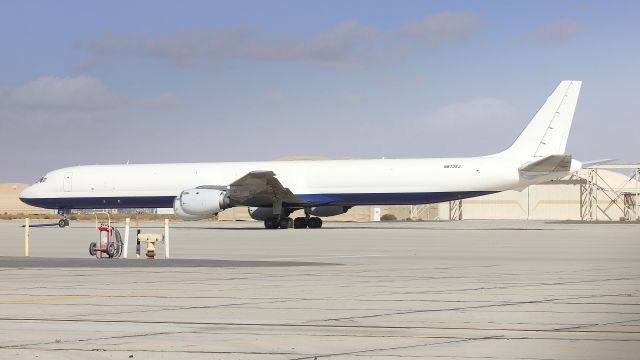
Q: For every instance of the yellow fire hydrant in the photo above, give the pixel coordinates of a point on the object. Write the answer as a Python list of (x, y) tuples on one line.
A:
[(151, 239)]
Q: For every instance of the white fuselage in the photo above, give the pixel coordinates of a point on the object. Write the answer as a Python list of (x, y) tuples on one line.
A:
[(325, 182)]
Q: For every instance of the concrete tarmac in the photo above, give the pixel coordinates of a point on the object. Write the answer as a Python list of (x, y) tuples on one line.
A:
[(425, 290)]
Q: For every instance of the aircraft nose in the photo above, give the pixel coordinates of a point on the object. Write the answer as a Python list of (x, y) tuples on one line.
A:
[(26, 194)]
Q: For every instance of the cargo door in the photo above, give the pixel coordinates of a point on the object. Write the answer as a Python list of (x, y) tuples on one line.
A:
[(68, 180)]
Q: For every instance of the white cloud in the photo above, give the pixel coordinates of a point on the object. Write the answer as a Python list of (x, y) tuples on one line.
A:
[(274, 96), (50, 92), (555, 33), (349, 97), (347, 44), (480, 110), (165, 101), (483, 124), (81, 93), (443, 28)]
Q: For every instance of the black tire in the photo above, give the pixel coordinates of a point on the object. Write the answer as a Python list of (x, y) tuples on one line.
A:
[(300, 223), (271, 223), (62, 223), (118, 242), (112, 249), (315, 223), (66, 222), (286, 223), (92, 249)]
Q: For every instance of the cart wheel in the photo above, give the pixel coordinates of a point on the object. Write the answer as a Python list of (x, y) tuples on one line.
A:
[(118, 242), (112, 249), (92, 249)]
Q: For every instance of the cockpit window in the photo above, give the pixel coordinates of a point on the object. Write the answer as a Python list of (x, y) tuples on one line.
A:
[(42, 179)]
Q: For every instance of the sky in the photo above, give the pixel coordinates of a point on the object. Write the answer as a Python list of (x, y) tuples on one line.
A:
[(104, 82)]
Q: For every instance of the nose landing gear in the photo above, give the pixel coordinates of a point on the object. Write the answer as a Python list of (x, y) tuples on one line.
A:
[(64, 221)]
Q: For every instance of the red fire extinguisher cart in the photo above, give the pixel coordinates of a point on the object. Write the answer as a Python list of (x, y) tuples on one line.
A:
[(109, 239)]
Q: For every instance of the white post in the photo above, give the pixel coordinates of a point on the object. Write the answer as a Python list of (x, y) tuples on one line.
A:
[(26, 237), (376, 214), (637, 194), (127, 221), (166, 238)]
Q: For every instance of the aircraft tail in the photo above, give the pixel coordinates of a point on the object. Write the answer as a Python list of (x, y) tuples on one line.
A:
[(548, 131)]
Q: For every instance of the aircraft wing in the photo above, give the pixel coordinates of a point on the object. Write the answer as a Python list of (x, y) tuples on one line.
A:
[(260, 188)]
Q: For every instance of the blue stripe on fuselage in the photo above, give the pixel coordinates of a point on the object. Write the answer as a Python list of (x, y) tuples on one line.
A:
[(312, 199), (102, 202), (389, 198)]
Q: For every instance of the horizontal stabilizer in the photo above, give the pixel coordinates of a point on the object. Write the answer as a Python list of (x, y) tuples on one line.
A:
[(549, 164), (597, 162)]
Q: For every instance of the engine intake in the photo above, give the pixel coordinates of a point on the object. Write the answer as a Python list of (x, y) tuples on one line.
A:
[(181, 214), (203, 202)]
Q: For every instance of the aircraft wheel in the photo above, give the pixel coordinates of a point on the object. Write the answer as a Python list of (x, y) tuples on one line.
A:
[(66, 222), (286, 223), (92, 249), (62, 223), (315, 223), (300, 223), (271, 223)]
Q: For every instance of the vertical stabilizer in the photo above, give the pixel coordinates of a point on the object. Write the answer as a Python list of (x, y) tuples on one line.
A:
[(548, 131)]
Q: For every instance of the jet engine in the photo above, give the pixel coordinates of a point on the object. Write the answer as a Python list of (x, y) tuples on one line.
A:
[(260, 213), (333, 210), (196, 204), (181, 214)]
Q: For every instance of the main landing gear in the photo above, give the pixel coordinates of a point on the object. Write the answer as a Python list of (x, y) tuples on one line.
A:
[(281, 220), (307, 221), (276, 223)]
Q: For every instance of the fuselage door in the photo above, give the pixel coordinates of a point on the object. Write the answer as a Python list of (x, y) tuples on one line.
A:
[(68, 177)]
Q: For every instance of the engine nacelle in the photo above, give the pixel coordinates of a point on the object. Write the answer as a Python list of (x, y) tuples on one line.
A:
[(203, 202), (333, 210), (182, 215), (260, 213)]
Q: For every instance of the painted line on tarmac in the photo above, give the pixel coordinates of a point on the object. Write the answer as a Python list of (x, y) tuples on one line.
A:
[(323, 257)]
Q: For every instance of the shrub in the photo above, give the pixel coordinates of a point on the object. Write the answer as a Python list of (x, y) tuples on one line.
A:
[(388, 217)]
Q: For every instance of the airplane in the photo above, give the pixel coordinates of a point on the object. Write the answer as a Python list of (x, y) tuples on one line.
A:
[(322, 188)]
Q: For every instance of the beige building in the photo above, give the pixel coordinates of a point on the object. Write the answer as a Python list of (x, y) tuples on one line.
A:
[(587, 195), (10, 201)]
